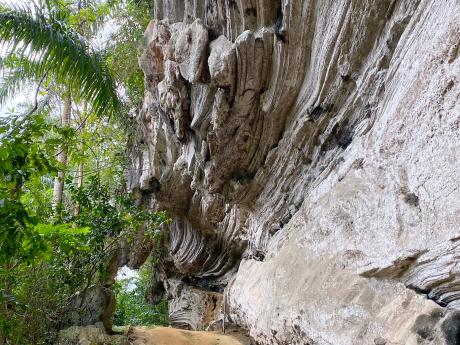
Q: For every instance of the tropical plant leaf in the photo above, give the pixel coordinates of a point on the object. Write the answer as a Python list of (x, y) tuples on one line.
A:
[(54, 47), (11, 83)]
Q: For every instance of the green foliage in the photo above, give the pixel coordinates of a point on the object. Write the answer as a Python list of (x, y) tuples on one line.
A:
[(109, 212), (132, 308), (13, 80), (49, 259), (47, 39), (24, 152), (90, 17), (100, 146), (133, 17), (67, 258), (32, 255), (46, 261), (35, 294)]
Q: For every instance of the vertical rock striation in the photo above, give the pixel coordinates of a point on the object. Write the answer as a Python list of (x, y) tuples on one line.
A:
[(307, 152)]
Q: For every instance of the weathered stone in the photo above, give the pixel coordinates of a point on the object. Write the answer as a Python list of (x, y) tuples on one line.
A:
[(90, 335), (191, 308), (152, 59), (94, 304), (190, 51), (222, 62), (317, 186), (173, 96), (433, 272)]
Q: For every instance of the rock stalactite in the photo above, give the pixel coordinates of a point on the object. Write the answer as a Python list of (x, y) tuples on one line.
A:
[(307, 152)]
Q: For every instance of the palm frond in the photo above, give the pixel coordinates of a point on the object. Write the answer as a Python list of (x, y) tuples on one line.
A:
[(11, 83), (17, 74), (54, 47)]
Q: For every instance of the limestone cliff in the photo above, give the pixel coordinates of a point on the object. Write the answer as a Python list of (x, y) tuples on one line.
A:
[(308, 153)]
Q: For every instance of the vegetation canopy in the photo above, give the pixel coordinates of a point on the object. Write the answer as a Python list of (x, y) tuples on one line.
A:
[(65, 212)]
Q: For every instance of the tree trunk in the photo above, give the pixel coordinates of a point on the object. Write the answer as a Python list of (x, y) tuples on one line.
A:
[(80, 173), (62, 155), (81, 166)]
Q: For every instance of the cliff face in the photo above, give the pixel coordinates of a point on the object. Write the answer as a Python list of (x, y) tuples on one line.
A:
[(307, 152)]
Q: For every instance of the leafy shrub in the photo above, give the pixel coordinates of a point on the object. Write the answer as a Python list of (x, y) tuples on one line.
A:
[(36, 291), (132, 308)]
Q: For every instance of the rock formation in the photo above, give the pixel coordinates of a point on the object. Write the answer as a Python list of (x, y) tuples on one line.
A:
[(307, 152), (90, 335)]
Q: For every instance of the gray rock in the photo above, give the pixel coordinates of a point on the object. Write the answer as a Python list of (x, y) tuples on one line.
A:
[(190, 51), (319, 191), (221, 62), (98, 305), (89, 335)]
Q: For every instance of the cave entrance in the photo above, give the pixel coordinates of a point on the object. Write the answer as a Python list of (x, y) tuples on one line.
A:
[(132, 288)]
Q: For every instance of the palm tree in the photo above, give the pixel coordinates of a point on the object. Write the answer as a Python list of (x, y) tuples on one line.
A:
[(42, 36), (40, 42), (58, 189)]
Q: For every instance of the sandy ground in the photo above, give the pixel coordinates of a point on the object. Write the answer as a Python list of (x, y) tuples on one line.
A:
[(173, 336)]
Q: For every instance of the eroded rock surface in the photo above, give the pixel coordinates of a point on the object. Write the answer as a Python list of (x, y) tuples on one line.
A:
[(90, 335), (307, 152)]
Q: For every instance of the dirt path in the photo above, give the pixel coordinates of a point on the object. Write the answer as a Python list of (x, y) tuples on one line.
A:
[(173, 336)]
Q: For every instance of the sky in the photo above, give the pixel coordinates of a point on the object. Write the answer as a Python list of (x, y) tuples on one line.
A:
[(25, 95), (130, 275)]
